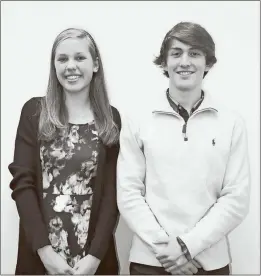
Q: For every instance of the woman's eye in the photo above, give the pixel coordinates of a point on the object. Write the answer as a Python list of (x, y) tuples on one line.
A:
[(62, 59), (80, 58)]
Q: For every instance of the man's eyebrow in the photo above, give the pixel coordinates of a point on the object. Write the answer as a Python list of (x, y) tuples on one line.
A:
[(175, 48), (179, 49), (195, 48)]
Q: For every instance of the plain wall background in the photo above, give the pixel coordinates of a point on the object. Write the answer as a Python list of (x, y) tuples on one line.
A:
[(129, 35)]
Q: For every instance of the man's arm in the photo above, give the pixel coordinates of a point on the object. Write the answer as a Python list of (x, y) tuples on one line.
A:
[(233, 203), (131, 168)]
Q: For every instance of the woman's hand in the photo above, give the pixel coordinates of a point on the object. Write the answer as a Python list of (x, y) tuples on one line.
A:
[(53, 262), (87, 265)]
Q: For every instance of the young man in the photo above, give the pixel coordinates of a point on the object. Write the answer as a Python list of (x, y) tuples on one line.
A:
[(183, 170)]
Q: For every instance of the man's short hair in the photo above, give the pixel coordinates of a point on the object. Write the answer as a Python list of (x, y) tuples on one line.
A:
[(188, 33)]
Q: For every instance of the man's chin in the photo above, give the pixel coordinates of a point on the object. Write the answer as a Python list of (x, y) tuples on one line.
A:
[(185, 88)]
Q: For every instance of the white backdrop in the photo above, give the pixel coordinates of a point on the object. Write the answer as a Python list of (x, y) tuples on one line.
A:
[(129, 35)]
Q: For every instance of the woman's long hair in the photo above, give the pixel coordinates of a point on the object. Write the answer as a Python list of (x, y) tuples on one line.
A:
[(54, 114)]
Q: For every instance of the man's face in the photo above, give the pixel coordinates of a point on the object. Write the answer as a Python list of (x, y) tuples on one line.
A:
[(185, 66)]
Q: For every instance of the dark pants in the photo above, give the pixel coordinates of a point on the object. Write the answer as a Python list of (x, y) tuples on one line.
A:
[(141, 269)]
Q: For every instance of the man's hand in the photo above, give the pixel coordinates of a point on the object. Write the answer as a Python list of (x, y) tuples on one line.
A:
[(181, 266), (173, 259), (87, 265), (168, 252), (53, 262)]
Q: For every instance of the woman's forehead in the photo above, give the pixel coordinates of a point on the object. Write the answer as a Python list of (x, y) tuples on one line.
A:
[(72, 45)]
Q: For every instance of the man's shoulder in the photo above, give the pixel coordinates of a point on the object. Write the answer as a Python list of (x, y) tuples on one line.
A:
[(138, 116), (230, 114), (226, 112)]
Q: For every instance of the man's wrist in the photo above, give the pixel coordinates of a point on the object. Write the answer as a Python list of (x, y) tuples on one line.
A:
[(184, 249)]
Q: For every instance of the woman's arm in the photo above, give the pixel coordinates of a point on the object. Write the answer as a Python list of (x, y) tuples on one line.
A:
[(23, 184), (108, 213)]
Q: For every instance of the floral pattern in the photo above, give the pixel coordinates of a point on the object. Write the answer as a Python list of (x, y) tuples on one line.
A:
[(69, 164)]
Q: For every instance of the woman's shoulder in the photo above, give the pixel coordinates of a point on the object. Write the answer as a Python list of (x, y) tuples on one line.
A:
[(32, 107), (116, 116)]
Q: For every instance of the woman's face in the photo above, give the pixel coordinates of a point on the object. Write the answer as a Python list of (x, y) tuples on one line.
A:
[(74, 65)]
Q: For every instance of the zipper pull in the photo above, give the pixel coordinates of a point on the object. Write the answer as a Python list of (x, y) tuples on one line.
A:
[(184, 131)]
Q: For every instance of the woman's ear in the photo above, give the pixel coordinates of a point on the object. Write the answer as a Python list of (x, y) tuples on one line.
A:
[(96, 65)]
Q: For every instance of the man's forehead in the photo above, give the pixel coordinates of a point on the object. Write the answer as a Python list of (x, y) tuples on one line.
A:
[(176, 44)]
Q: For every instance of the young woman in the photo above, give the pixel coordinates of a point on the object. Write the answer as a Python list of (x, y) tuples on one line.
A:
[(64, 167)]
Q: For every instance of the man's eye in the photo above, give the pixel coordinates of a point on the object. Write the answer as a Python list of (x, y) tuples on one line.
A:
[(194, 54), (175, 54)]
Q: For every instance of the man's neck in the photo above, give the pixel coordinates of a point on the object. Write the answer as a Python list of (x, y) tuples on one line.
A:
[(185, 98)]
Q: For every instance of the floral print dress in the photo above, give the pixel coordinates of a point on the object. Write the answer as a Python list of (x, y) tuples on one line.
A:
[(69, 164)]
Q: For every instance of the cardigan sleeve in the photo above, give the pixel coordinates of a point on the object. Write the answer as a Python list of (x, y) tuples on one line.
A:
[(108, 213), (23, 184)]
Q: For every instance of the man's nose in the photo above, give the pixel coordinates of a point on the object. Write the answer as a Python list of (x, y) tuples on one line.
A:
[(185, 61)]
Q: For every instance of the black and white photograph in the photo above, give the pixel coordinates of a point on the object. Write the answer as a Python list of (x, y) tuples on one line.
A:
[(130, 137)]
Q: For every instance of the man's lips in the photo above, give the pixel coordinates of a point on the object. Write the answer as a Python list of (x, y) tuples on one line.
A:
[(185, 73)]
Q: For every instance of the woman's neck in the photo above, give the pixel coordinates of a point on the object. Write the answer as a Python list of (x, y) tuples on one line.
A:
[(78, 107)]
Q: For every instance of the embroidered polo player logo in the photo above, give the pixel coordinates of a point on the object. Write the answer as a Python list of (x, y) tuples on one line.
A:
[(213, 142)]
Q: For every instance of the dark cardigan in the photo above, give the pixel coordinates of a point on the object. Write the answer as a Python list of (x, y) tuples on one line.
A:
[(28, 195)]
